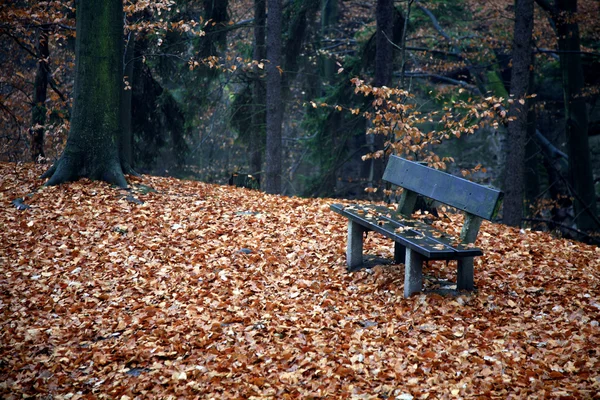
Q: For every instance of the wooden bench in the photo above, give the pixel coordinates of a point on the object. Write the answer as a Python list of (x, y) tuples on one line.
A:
[(416, 241)]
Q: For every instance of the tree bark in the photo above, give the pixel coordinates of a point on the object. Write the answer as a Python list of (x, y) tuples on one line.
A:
[(274, 106), (329, 18), (517, 127), (126, 138), (576, 115), (215, 11), (385, 29), (92, 148), (258, 90), (38, 111), (383, 76)]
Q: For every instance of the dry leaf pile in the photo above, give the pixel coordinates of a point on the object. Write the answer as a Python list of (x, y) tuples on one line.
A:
[(216, 292)]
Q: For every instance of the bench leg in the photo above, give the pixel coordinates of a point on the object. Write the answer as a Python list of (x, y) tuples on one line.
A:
[(413, 272), (354, 249), (464, 278), (399, 253)]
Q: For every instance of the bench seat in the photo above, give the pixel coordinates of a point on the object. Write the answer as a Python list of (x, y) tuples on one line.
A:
[(416, 235)]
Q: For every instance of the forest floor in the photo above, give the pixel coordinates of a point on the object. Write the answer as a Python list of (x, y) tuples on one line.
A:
[(217, 292)]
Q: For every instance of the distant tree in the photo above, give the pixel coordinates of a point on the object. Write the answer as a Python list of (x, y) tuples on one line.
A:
[(274, 98), (38, 109), (384, 57), (383, 74), (92, 148), (329, 19), (517, 126), (215, 13), (126, 137), (258, 89), (564, 17)]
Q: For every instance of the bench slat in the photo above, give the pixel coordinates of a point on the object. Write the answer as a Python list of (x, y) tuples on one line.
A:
[(451, 190), (431, 248), (430, 231), (434, 234)]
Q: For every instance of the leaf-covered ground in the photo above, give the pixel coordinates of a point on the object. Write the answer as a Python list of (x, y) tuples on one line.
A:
[(216, 292)]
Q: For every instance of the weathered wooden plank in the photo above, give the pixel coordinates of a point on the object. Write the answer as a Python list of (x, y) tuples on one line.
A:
[(410, 239), (429, 247), (428, 230), (457, 192)]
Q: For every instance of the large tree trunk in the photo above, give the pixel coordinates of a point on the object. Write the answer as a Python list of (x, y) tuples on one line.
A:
[(517, 127), (92, 148), (38, 111), (274, 106), (258, 90), (580, 167)]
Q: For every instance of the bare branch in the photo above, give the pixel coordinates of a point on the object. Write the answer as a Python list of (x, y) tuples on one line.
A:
[(548, 148), (589, 53), (546, 6), (54, 87), (472, 88), (435, 22), (21, 45)]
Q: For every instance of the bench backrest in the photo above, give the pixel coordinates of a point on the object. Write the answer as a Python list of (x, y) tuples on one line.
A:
[(451, 190)]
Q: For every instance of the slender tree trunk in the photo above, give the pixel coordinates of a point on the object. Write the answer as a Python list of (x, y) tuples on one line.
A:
[(215, 11), (385, 29), (126, 138), (296, 32), (274, 106), (329, 18), (38, 111), (517, 128), (533, 158), (576, 115), (92, 148), (258, 90), (383, 75)]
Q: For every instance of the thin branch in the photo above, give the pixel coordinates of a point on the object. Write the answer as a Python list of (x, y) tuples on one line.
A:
[(552, 12), (156, 55), (291, 139), (21, 45), (435, 22), (54, 87), (434, 51), (546, 6), (403, 50), (463, 84), (589, 53), (548, 148)]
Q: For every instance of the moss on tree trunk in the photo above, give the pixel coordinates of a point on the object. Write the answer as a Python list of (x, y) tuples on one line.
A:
[(92, 148)]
